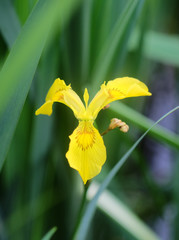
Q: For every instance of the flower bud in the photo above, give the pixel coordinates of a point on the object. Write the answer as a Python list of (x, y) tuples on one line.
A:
[(117, 123), (124, 128)]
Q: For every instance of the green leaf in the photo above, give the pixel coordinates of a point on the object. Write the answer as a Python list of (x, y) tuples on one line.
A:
[(18, 219), (89, 213), (121, 214), (18, 71), (86, 21), (9, 22), (50, 234), (111, 44), (22, 8), (41, 137), (158, 46), (160, 133)]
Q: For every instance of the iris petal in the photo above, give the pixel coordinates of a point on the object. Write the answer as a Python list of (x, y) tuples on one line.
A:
[(116, 89), (45, 109), (60, 92), (87, 152)]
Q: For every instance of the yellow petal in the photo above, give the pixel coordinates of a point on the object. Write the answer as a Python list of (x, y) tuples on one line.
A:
[(57, 86), (45, 109), (116, 89), (127, 87), (87, 152), (60, 92)]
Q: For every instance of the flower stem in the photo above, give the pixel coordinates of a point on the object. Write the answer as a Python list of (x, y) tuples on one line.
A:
[(106, 131), (80, 213)]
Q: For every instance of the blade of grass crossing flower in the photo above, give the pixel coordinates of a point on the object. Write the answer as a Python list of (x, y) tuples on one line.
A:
[(128, 114), (121, 214), (110, 45), (19, 68), (9, 22), (50, 234), (89, 213)]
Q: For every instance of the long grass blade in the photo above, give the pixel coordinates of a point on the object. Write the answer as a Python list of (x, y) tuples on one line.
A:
[(154, 46), (9, 22), (86, 21), (89, 213), (49, 234), (109, 48), (121, 214), (18, 71), (160, 133)]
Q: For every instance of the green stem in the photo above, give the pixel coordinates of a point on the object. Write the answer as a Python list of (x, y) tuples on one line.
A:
[(80, 213)]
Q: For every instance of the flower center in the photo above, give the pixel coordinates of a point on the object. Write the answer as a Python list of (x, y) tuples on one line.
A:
[(85, 135)]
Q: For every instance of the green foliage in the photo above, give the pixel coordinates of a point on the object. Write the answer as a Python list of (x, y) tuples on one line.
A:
[(19, 68), (49, 234), (84, 43), (141, 232)]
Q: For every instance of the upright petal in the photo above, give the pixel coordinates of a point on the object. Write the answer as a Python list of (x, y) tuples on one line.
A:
[(60, 92), (116, 89), (86, 97), (87, 152)]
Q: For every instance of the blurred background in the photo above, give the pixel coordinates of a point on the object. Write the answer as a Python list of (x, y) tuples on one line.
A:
[(86, 43)]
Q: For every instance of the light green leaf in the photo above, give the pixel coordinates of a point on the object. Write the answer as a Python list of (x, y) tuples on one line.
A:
[(121, 214), (158, 46), (128, 114), (9, 22), (18, 71), (49, 234), (111, 44)]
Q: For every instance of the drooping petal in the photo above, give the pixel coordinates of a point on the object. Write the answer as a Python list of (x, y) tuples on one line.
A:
[(116, 89), (87, 152), (60, 92), (45, 109)]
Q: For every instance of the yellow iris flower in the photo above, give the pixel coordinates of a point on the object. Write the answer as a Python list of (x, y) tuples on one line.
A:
[(87, 152)]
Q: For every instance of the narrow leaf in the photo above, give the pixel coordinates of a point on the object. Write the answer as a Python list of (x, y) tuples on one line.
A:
[(18, 71), (121, 214), (128, 114), (109, 47), (86, 21), (89, 213), (158, 46), (49, 234), (9, 22)]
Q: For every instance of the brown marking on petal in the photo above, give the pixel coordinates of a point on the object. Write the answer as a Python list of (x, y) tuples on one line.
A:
[(85, 137), (58, 96), (106, 107), (61, 97), (112, 90)]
